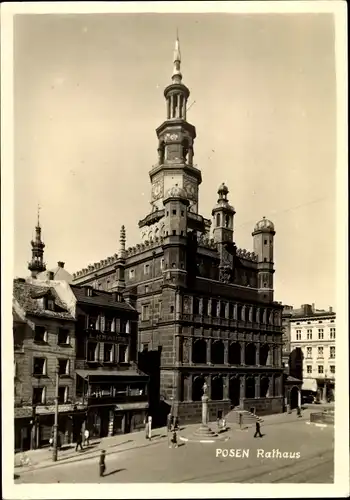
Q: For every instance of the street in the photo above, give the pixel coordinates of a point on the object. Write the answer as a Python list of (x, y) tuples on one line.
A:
[(202, 463)]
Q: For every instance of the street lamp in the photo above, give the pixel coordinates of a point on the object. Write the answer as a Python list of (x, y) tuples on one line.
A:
[(55, 427)]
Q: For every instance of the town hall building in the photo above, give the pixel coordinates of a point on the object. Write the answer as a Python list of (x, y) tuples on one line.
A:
[(206, 308)]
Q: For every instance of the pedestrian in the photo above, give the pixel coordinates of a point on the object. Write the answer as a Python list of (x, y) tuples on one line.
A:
[(176, 423), (169, 422), (102, 462), (150, 428), (257, 429), (299, 411), (79, 442), (174, 439), (240, 420), (223, 424), (87, 437), (146, 429)]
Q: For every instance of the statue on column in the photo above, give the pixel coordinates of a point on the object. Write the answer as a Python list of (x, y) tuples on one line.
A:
[(205, 389)]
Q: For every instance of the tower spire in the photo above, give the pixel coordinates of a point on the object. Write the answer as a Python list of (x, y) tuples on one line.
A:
[(177, 76), (37, 264)]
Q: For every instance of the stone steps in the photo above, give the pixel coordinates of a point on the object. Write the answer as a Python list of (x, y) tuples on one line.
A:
[(247, 417)]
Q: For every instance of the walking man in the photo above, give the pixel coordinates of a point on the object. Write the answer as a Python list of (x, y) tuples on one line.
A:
[(174, 440), (169, 422), (87, 437), (102, 462), (257, 429), (79, 442), (146, 427), (150, 428)]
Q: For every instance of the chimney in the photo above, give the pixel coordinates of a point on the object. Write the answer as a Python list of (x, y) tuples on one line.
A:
[(313, 307), (60, 264), (330, 309)]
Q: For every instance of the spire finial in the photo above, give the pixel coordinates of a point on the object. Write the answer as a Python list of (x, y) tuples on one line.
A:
[(39, 208), (177, 76), (122, 241)]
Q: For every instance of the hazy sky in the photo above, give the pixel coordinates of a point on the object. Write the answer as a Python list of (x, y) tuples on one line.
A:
[(89, 96)]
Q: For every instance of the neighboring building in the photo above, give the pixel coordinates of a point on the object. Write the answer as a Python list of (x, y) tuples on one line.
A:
[(44, 338), (37, 264), (206, 307), (109, 384), (313, 348), (58, 273)]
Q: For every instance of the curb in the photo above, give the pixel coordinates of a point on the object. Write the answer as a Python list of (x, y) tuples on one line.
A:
[(19, 470)]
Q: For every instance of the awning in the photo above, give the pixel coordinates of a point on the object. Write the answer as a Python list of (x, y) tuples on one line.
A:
[(109, 373), (309, 384), (131, 406)]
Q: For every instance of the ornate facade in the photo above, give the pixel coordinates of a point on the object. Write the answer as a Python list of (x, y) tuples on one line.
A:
[(206, 308)]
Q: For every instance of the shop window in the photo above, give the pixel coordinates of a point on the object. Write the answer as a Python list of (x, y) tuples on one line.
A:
[(40, 334), (63, 336)]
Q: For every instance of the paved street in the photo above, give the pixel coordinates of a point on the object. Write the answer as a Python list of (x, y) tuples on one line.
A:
[(195, 462)]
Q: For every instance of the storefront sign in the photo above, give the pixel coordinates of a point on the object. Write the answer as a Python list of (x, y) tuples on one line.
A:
[(102, 336)]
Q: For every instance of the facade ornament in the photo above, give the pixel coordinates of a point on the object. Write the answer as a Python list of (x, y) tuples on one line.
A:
[(225, 274)]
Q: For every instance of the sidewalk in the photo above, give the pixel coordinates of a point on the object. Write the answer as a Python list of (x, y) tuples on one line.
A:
[(42, 458)]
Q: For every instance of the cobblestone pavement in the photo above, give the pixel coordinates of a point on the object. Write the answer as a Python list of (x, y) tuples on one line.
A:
[(196, 462)]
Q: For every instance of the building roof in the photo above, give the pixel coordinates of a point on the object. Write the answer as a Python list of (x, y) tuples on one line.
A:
[(100, 298), (16, 317), (58, 274), (264, 225), (27, 295)]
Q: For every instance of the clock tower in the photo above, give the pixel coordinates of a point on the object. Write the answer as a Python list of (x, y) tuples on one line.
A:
[(175, 154)]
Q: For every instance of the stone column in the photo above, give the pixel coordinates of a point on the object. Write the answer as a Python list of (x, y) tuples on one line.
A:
[(264, 316), (299, 398), (209, 341), (271, 390), (242, 388), (242, 344), (178, 106), (178, 306), (226, 382), (226, 344), (257, 315), (188, 388), (200, 307), (218, 307), (209, 307), (257, 386), (190, 344), (242, 314), (178, 354), (184, 109), (168, 108), (268, 361), (190, 155), (257, 354), (251, 314)]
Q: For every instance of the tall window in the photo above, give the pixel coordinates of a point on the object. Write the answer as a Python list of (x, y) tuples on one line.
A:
[(332, 333), (205, 307), (145, 313), (309, 352), (40, 334), (62, 394), (332, 352), (50, 304), (63, 366), (92, 351), (39, 366), (332, 368), (108, 324), (108, 355), (309, 334), (320, 369), (196, 305), (214, 308), (146, 268), (63, 336), (131, 273), (320, 352), (38, 395), (320, 333), (298, 335), (123, 353), (93, 322), (309, 369)]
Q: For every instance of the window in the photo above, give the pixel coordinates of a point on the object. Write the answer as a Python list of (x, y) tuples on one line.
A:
[(162, 263), (131, 273), (145, 313), (108, 353), (89, 291), (205, 307), (320, 368), (320, 352), (332, 320), (63, 336), (50, 304), (174, 232), (171, 309), (174, 212), (320, 333), (309, 322), (144, 347), (265, 242), (123, 353), (38, 395), (309, 369), (92, 351), (146, 268), (182, 213), (309, 334), (62, 394), (63, 366), (309, 352), (196, 301), (146, 288), (265, 259), (298, 323), (123, 326), (332, 333), (332, 352), (214, 308), (39, 366), (332, 368), (298, 335), (160, 308), (320, 321), (40, 334), (108, 324), (93, 322)]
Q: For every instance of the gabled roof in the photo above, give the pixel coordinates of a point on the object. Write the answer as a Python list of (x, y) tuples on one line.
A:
[(100, 298), (59, 274), (27, 296)]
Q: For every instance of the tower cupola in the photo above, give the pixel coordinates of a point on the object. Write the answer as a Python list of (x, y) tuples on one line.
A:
[(223, 214), (37, 264), (263, 238)]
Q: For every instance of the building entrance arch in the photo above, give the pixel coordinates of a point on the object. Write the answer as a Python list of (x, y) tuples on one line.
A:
[(234, 391)]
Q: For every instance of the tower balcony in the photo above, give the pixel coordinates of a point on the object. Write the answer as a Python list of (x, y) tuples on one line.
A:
[(152, 218)]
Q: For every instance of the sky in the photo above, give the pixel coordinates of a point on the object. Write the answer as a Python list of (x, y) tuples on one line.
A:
[(88, 96)]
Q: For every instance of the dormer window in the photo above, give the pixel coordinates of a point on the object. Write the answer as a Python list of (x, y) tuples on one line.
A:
[(88, 291), (50, 304)]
